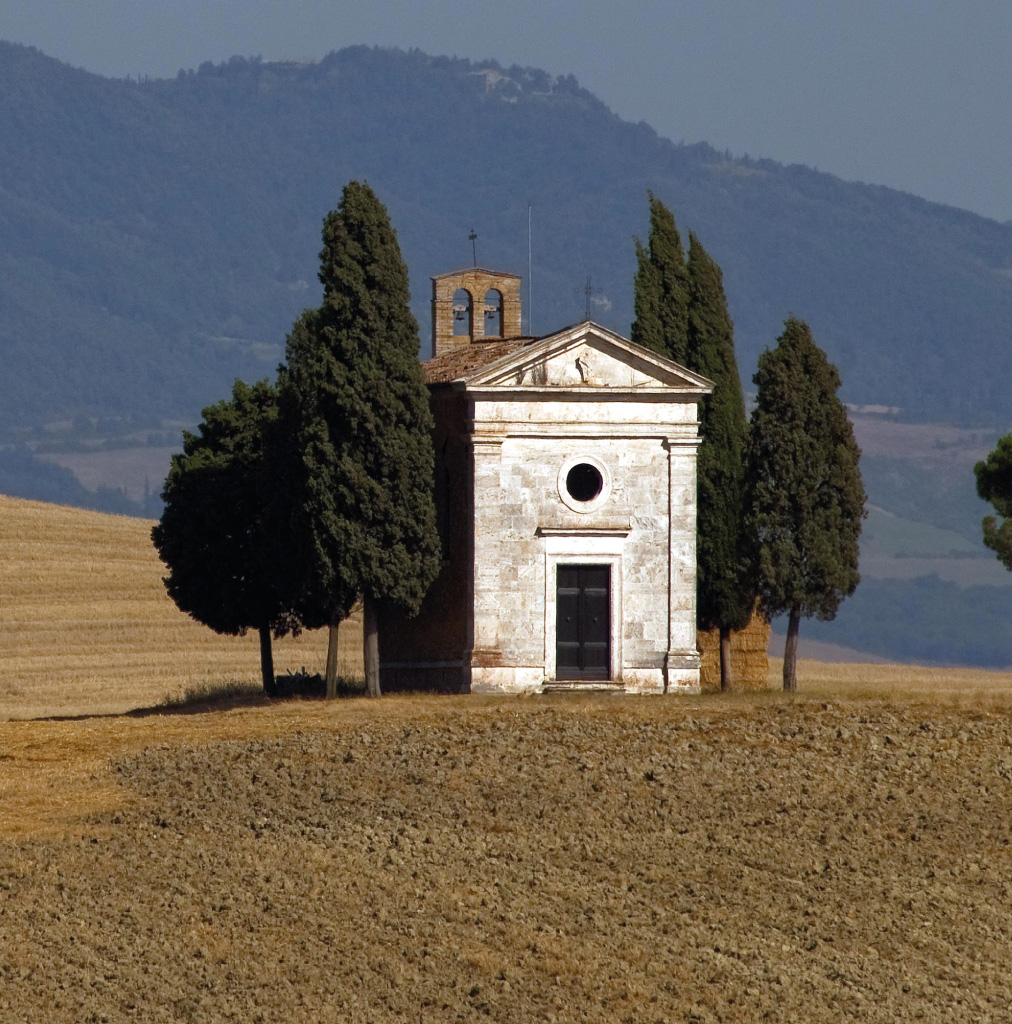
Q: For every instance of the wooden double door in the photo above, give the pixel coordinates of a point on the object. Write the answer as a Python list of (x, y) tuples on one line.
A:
[(583, 625)]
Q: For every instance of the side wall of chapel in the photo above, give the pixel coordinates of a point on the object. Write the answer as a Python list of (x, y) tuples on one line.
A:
[(427, 652)]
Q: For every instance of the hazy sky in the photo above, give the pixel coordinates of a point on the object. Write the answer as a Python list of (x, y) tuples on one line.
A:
[(916, 94)]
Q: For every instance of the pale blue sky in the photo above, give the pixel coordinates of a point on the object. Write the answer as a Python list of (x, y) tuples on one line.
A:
[(915, 94)]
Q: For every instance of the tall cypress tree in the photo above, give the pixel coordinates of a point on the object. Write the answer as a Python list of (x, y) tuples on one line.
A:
[(223, 532), (661, 295), (352, 373), (807, 498), (726, 587), (646, 327)]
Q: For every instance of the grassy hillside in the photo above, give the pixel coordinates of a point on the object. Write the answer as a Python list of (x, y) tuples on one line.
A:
[(157, 238), (86, 625)]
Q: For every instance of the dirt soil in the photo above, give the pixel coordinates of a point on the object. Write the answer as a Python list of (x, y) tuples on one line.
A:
[(512, 861)]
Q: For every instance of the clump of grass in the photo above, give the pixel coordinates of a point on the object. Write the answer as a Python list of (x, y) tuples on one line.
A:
[(312, 684), (227, 692), (231, 693)]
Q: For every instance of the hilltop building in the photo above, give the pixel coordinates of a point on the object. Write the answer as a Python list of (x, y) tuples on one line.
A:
[(566, 497)]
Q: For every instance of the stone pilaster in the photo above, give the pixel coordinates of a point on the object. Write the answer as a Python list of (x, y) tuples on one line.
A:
[(486, 455), (682, 661)]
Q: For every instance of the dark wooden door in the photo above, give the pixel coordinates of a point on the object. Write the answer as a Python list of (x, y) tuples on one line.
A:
[(583, 627)]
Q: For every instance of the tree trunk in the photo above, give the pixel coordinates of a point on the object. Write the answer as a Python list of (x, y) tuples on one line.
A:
[(370, 647), (725, 659), (267, 661), (791, 652), (332, 659)]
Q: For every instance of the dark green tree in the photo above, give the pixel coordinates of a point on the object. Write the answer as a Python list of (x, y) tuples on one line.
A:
[(994, 485), (358, 394), (807, 498), (724, 554), (321, 500), (223, 530), (661, 294), (646, 327)]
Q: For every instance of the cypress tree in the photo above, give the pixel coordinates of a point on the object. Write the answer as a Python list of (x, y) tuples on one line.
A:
[(994, 485), (353, 378), (807, 498), (646, 327), (725, 587), (223, 530), (661, 294)]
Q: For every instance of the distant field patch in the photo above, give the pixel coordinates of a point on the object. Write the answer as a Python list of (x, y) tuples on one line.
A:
[(896, 548), (893, 535), (126, 469)]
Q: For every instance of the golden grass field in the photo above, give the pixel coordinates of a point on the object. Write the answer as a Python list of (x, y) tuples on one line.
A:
[(86, 626)]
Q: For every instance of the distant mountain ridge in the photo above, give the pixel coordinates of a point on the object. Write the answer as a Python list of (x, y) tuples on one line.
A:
[(157, 238)]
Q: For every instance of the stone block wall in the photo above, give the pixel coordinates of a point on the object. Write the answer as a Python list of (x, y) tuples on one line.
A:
[(426, 652), (523, 529)]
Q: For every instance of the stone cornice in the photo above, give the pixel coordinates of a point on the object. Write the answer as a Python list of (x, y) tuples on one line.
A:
[(583, 531)]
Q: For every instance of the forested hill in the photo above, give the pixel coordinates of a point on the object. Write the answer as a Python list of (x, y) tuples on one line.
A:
[(158, 237)]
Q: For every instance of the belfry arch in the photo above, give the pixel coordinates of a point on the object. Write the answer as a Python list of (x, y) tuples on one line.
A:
[(463, 313), (489, 301), (493, 313)]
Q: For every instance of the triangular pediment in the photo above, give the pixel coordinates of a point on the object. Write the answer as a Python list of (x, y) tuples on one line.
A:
[(584, 357)]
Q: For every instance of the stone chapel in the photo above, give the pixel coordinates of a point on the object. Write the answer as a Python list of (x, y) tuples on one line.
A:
[(566, 501)]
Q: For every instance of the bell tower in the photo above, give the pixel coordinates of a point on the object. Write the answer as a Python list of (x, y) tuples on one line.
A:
[(474, 305)]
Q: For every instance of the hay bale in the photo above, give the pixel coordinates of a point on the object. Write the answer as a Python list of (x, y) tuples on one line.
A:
[(749, 656)]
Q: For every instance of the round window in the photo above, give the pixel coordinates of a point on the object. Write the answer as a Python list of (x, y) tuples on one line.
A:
[(584, 482)]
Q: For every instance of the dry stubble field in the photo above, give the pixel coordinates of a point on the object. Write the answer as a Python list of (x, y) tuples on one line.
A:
[(843, 855), (86, 625)]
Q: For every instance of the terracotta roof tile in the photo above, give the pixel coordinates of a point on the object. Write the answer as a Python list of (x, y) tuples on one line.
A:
[(462, 361)]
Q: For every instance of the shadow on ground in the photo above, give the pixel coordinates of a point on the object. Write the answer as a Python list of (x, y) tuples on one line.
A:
[(227, 695)]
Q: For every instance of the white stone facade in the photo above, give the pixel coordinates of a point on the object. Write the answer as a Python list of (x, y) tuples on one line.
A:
[(519, 424)]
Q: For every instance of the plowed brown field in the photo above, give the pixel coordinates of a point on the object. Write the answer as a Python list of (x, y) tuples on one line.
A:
[(459, 859)]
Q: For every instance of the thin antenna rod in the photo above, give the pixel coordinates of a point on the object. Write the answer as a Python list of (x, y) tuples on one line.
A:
[(474, 252), (589, 291), (530, 278)]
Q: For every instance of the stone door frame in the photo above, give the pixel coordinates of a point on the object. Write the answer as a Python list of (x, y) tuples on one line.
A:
[(572, 548)]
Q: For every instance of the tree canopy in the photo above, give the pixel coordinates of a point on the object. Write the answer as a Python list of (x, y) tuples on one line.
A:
[(994, 485), (224, 528), (661, 294), (357, 391), (807, 498), (724, 551)]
